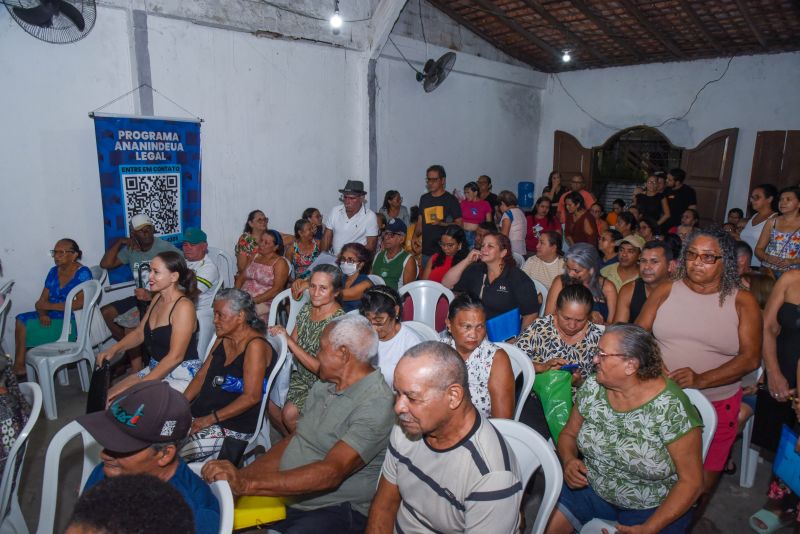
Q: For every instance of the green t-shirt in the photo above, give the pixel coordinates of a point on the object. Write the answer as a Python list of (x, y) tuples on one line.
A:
[(362, 417), (390, 270), (140, 261), (626, 452)]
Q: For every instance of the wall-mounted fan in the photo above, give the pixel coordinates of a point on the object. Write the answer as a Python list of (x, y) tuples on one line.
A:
[(435, 71), (54, 21)]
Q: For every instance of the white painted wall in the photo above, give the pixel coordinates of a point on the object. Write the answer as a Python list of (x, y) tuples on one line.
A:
[(482, 120), (757, 93)]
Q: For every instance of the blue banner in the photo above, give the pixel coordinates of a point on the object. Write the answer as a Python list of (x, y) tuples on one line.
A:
[(152, 166)]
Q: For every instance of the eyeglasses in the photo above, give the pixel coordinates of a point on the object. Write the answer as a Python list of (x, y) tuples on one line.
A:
[(348, 260), (55, 253), (388, 233), (708, 259), (378, 322), (596, 352)]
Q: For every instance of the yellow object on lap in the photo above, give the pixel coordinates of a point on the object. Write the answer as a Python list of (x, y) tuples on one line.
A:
[(252, 511)]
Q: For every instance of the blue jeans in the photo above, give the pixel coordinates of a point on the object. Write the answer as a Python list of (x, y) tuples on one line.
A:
[(337, 519), (583, 505)]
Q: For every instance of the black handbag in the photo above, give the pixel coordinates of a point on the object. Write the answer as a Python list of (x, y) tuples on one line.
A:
[(98, 389), (232, 450)]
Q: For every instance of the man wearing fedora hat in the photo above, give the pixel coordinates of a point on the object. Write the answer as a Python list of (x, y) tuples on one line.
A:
[(140, 433), (351, 222)]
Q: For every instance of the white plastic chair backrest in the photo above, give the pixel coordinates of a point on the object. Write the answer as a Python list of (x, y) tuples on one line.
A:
[(519, 258), (4, 309), (377, 280), (294, 308), (205, 354), (707, 413), (520, 365), (6, 288), (99, 274), (426, 332), (425, 296), (16, 455), (281, 350), (543, 291), (222, 491), (533, 451), (52, 459), (91, 293), (225, 264), (748, 380)]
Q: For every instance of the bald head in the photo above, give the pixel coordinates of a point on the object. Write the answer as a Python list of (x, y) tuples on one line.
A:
[(439, 362)]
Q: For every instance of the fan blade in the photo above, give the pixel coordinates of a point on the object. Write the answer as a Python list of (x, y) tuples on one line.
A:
[(439, 72), (41, 15), (72, 13)]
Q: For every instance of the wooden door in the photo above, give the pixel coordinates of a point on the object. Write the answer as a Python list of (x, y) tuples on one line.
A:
[(570, 157), (776, 159), (708, 169)]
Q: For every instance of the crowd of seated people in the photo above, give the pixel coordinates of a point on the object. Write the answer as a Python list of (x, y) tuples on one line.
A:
[(626, 290)]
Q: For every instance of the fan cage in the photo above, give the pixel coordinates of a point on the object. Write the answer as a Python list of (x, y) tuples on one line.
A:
[(62, 31)]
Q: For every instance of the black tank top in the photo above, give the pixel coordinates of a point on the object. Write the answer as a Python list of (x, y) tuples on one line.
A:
[(213, 398), (156, 340), (637, 300)]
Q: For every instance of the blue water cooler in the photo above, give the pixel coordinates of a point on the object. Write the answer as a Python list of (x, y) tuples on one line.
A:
[(525, 195)]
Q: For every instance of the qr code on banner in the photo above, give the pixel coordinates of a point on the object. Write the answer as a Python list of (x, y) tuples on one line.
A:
[(157, 194)]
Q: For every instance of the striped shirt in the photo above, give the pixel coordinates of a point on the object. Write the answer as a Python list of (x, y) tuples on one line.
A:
[(207, 275), (473, 486)]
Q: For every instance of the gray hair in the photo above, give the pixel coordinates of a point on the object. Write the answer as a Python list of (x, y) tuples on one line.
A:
[(241, 301), (638, 344), (450, 367), (356, 333), (587, 257)]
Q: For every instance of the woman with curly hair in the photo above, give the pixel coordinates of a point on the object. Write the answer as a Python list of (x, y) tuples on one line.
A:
[(709, 332)]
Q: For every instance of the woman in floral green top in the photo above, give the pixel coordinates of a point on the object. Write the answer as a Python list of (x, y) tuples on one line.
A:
[(324, 291), (639, 441), (247, 244)]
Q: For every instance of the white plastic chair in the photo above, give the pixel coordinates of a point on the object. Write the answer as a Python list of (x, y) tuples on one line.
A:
[(225, 263), (98, 331), (520, 365), (543, 291), (45, 360), (222, 491), (261, 434), (425, 296), (426, 332), (5, 289), (14, 522), (50, 483), (377, 280), (749, 461), (205, 319), (707, 413), (294, 308), (533, 451), (5, 307), (519, 258)]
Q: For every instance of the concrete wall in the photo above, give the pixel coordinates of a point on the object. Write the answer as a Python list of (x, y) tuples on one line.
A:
[(482, 120), (757, 93)]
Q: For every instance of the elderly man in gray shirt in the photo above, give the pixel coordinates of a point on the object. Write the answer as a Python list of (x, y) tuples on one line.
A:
[(330, 466)]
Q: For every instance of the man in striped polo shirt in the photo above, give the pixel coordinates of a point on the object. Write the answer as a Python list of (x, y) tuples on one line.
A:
[(447, 469)]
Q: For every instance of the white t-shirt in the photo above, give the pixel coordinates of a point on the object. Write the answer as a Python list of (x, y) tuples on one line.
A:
[(207, 275), (390, 352), (355, 229)]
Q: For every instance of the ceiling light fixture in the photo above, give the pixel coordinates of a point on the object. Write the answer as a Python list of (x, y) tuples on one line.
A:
[(566, 58), (336, 19)]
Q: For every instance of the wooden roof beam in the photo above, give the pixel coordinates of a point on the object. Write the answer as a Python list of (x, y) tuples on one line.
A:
[(581, 6), (447, 10), (517, 27), (749, 20), (536, 6), (692, 14), (666, 41)]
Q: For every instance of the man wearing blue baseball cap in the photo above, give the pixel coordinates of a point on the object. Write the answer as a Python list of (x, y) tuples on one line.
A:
[(394, 264), (139, 434)]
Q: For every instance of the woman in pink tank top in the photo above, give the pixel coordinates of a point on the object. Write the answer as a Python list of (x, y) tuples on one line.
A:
[(709, 333)]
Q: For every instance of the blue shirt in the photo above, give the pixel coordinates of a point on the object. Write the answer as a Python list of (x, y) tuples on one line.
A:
[(195, 491)]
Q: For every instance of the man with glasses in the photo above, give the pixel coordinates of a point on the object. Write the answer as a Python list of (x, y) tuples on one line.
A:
[(394, 264), (139, 434), (438, 209), (627, 268), (350, 222), (136, 251), (576, 184), (657, 262)]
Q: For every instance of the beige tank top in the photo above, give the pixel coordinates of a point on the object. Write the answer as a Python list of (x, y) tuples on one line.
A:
[(694, 331)]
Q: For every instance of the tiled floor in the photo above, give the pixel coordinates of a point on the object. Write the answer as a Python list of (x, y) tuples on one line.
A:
[(728, 512)]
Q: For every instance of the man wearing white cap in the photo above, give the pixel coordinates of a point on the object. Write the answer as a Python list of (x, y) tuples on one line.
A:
[(136, 251)]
